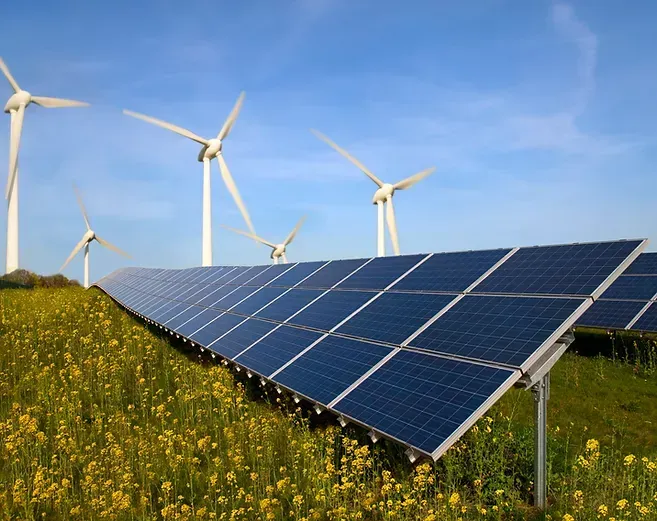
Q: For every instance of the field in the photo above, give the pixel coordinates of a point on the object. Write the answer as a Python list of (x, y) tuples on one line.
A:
[(102, 418)]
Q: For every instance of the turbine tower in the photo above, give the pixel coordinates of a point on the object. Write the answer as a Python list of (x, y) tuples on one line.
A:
[(88, 237), (383, 195), (278, 250), (16, 106), (211, 148)]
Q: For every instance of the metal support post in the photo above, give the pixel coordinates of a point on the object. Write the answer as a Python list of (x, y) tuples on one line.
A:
[(541, 392)]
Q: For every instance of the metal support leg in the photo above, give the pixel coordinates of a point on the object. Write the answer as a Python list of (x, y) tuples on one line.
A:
[(541, 392)]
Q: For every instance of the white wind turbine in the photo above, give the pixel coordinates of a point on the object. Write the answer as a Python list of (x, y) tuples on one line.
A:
[(16, 106), (211, 148), (278, 250), (88, 237), (382, 195)]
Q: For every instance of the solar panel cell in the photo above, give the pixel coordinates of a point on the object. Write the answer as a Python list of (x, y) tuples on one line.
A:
[(380, 272), (208, 334), (645, 264), (450, 272), (332, 273), (331, 308), (422, 399), (288, 304), (632, 287), (268, 275), (237, 340), (505, 330), (647, 321), (204, 316), (613, 314), (297, 274), (276, 349), (393, 317), (260, 298), (574, 269), (330, 367), (240, 293), (183, 317)]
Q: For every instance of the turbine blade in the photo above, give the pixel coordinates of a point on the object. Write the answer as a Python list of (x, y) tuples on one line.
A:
[(112, 247), (410, 181), (57, 103), (81, 204), (10, 78), (169, 126), (290, 237), (392, 224), (249, 235), (77, 248), (14, 145), (351, 158), (232, 188), (225, 130)]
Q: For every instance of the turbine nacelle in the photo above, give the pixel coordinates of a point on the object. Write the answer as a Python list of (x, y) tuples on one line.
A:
[(89, 236), (22, 97), (382, 194), (210, 150), (278, 251)]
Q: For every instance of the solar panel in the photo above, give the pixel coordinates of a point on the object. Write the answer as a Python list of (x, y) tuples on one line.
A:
[(505, 330), (613, 314), (332, 273), (331, 309), (380, 272), (393, 317), (277, 348), (423, 399), (288, 304), (237, 340), (632, 287), (572, 269), (330, 367), (450, 272), (647, 321), (415, 347), (645, 264), (213, 330)]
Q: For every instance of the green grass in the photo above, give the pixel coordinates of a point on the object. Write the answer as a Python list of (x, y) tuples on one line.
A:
[(595, 397), (101, 418)]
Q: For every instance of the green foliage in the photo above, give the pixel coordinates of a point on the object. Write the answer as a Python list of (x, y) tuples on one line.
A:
[(102, 419), (25, 279)]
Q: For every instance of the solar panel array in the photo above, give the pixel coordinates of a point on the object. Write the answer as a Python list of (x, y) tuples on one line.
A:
[(630, 302), (414, 347)]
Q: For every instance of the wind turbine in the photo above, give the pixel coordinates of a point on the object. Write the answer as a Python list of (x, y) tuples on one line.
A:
[(278, 250), (88, 237), (211, 148), (383, 194), (16, 106)]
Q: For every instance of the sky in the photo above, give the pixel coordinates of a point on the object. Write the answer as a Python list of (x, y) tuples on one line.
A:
[(538, 116)]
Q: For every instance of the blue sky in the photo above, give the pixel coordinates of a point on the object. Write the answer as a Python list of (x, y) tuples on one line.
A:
[(539, 117)]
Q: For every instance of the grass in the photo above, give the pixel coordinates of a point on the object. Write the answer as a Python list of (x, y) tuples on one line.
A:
[(100, 418)]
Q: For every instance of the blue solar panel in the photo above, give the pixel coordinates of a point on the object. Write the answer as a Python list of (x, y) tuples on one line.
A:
[(450, 272), (288, 304), (216, 295), (645, 264), (297, 274), (380, 272), (268, 275), (234, 297), (204, 316), (332, 273), (613, 314), (422, 399), (195, 298), (330, 367), (163, 318), (183, 317), (647, 321), (233, 343), (393, 317), (257, 300), (632, 287), (216, 328), (157, 311), (331, 309), (248, 275), (575, 269), (277, 349), (506, 330)]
